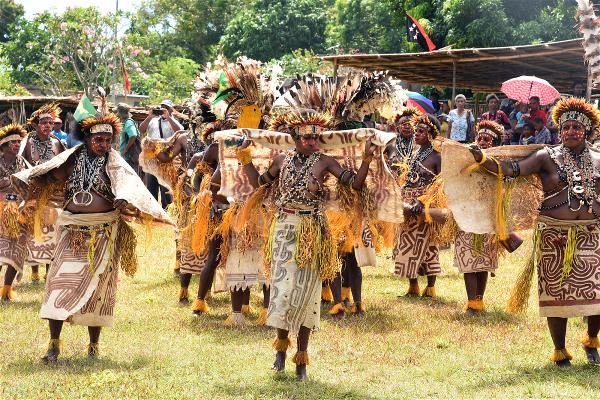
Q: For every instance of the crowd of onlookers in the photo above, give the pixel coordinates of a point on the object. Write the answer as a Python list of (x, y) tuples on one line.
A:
[(524, 123)]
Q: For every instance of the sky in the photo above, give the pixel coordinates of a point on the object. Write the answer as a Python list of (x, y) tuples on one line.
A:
[(33, 7)]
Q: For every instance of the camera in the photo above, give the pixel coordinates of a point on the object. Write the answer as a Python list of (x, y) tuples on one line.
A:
[(157, 111)]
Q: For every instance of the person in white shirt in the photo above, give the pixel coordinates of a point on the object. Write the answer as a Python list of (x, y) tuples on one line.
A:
[(160, 124), (460, 121)]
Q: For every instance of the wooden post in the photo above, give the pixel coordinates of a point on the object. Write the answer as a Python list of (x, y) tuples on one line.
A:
[(588, 88), (335, 68), (453, 80)]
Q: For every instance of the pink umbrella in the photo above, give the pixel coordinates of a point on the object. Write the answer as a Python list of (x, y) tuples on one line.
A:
[(525, 87)]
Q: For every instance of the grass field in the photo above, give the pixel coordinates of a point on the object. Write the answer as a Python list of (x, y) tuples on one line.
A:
[(401, 349)]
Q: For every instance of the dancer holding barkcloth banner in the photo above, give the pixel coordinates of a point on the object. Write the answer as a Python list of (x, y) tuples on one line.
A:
[(566, 248), (99, 189)]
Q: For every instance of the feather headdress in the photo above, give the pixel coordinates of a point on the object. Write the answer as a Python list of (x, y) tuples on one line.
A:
[(429, 120), (12, 132), (51, 110), (408, 112), (491, 128), (307, 123), (104, 121), (343, 98), (576, 109), (589, 26)]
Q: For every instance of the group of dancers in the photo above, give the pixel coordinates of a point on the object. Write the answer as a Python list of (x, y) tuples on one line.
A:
[(288, 189)]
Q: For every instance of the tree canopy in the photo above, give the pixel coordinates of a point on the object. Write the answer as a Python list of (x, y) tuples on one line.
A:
[(164, 43)]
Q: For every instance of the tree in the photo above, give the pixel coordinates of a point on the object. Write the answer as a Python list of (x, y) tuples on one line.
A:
[(271, 28), (10, 13), (184, 28), (172, 80), (300, 62)]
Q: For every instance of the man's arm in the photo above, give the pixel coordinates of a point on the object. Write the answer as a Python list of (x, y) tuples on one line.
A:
[(170, 152), (527, 166), (146, 122), (347, 177)]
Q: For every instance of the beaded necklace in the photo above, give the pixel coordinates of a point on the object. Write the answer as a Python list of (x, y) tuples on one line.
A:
[(404, 146), (86, 176), (6, 169), (43, 148), (295, 176), (578, 172), (415, 164)]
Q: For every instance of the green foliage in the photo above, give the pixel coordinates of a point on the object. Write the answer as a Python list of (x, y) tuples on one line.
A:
[(10, 13), (365, 26), (184, 28), (271, 28), (172, 79), (301, 62)]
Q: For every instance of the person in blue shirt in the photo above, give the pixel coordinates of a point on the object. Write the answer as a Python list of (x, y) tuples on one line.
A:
[(57, 130)]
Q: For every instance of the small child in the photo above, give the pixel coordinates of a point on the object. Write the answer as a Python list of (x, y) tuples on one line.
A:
[(527, 136)]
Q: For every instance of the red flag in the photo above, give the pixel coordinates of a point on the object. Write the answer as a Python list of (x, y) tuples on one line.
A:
[(417, 34), (126, 81)]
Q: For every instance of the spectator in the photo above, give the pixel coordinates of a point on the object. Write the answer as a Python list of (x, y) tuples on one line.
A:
[(160, 124), (434, 96), (579, 89), (542, 133), (460, 121), (445, 110), (535, 111), (552, 127), (57, 130), (493, 113), (517, 122), (129, 136), (527, 136)]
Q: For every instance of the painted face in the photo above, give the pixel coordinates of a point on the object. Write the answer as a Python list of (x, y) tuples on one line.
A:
[(44, 126), (485, 141), (99, 144), (308, 144), (572, 134), (406, 128), (422, 134), (12, 147)]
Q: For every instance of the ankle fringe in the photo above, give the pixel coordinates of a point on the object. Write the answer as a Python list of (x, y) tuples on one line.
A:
[(476, 305), (358, 307), (262, 317), (183, 293), (590, 342), (7, 293), (326, 294), (282, 345), (561, 355), (429, 292), (414, 288), (346, 294), (35, 276), (337, 309), (55, 344), (94, 349), (300, 358), (200, 305), (247, 309)]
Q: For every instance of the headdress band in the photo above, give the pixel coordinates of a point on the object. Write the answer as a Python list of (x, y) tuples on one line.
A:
[(576, 116), (488, 132), (101, 128), (306, 130), (10, 139), (45, 115)]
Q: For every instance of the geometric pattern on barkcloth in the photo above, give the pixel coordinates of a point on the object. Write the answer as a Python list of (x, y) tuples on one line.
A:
[(582, 285), (190, 263), (469, 259), (413, 254), (72, 286), (14, 251), (43, 250)]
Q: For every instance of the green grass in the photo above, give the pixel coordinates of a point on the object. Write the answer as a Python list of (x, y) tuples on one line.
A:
[(402, 348)]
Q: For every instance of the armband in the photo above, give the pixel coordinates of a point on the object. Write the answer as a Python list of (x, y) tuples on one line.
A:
[(244, 155), (347, 177), (516, 169), (266, 178)]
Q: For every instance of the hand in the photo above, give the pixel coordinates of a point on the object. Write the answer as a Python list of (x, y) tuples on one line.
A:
[(476, 151), (246, 144), (165, 113), (369, 150), (120, 204)]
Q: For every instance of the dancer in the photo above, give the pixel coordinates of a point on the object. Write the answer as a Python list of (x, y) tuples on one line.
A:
[(13, 232), (300, 249), (567, 238), (414, 253), (99, 190)]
